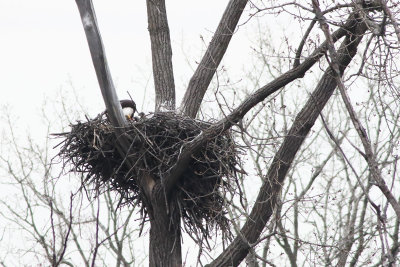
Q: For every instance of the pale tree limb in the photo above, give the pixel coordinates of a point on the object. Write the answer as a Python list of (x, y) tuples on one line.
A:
[(114, 110), (161, 54), (370, 156), (270, 190), (146, 182), (89, 22), (202, 77)]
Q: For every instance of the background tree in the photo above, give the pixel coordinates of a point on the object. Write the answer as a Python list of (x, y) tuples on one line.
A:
[(58, 223)]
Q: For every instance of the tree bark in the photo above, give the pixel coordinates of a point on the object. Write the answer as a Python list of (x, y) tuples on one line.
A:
[(165, 233), (89, 22), (161, 53), (267, 197), (201, 78), (113, 106)]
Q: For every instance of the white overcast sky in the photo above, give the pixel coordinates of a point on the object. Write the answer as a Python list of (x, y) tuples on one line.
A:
[(43, 48)]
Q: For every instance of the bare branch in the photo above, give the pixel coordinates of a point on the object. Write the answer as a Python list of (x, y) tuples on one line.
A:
[(110, 98), (369, 154), (161, 53), (391, 17), (302, 42), (89, 22), (201, 79), (66, 238)]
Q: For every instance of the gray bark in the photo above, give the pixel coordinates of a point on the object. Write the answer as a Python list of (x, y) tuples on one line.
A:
[(161, 54), (89, 21), (201, 78)]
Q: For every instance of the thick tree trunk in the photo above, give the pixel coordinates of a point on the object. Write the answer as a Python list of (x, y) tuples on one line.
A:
[(165, 238)]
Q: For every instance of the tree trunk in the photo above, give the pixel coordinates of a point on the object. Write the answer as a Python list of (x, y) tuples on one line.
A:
[(165, 235)]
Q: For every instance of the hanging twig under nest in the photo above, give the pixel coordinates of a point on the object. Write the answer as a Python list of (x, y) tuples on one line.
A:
[(156, 141)]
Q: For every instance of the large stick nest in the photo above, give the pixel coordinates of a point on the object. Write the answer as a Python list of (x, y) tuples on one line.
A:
[(156, 141)]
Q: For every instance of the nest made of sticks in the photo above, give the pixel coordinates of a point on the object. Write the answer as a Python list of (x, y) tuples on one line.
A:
[(156, 141)]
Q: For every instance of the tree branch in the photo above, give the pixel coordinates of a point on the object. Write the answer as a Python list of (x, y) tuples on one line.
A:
[(269, 191), (104, 78), (201, 78), (89, 21), (302, 43), (391, 17), (161, 53), (369, 154), (191, 147)]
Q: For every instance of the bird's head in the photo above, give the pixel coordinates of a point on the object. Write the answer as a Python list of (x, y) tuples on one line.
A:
[(128, 108)]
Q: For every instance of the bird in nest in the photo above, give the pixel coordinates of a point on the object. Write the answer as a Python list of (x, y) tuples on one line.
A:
[(129, 109)]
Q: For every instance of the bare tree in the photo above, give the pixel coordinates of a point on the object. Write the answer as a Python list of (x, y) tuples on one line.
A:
[(330, 193), (50, 221), (362, 23)]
